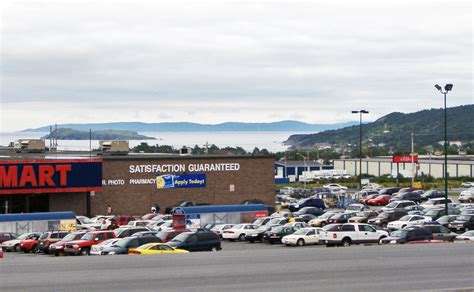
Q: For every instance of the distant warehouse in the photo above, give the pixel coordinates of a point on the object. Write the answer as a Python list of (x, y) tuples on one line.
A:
[(130, 184)]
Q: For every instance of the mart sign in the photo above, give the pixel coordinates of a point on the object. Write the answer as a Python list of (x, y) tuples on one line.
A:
[(405, 158)]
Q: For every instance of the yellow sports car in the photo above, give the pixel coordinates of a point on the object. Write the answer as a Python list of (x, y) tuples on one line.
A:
[(156, 248)]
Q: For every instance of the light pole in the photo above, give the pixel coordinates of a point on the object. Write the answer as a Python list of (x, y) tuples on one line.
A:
[(447, 88), (306, 166), (360, 112)]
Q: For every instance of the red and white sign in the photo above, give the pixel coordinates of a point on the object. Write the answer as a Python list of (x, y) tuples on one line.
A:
[(405, 158), (260, 214)]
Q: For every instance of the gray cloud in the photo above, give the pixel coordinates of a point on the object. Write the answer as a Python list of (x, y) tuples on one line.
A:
[(213, 61)]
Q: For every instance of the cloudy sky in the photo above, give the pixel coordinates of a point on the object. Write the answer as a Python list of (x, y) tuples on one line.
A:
[(217, 61)]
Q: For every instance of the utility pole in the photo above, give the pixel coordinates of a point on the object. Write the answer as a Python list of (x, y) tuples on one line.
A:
[(412, 159)]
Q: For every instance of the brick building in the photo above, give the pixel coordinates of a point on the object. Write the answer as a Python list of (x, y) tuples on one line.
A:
[(130, 184)]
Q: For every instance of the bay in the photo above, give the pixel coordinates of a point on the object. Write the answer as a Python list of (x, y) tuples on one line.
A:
[(272, 141)]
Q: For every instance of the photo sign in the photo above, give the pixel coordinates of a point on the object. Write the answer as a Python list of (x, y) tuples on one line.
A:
[(179, 181)]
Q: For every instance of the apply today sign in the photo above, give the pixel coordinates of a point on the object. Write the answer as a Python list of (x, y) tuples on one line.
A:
[(177, 181)]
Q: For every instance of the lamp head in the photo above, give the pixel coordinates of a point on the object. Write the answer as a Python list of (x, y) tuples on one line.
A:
[(355, 112), (438, 87), (364, 111), (448, 87)]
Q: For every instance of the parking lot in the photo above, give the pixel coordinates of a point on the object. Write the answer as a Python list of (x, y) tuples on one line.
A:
[(252, 267)]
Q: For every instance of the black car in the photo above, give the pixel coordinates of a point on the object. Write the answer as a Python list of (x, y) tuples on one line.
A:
[(308, 202), (305, 217), (388, 191), (258, 234), (436, 213), (414, 196), (122, 246), (432, 194), (341, 218), (388, 216), (197, 241), (126, 232), (409, 234), (462, 223), (441, 232), (363, 216)]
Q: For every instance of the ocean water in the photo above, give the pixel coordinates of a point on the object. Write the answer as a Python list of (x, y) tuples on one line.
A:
[(272, 141)]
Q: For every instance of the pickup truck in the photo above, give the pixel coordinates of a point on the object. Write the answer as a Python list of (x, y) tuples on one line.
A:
[(353, 233)]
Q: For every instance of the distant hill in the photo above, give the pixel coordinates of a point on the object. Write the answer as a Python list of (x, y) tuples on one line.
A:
[(285, 126), (395, 129), (70, 134)]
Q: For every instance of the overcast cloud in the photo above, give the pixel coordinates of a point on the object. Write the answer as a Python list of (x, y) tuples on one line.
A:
[(218, 61)]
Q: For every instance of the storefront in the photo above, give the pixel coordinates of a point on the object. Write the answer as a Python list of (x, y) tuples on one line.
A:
[(132, 184)]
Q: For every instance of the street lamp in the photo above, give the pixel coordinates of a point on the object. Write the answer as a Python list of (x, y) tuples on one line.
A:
[(360, 144), (447, 87)]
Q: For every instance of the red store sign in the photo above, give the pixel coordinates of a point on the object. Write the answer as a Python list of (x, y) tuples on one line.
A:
[(405, 159)]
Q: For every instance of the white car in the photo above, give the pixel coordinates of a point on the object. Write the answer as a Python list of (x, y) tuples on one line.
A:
[(219, 228), (303, 236), (137, 223), (82, 222), (436, 202), (238, 231), (408, 220), (168, 225), (466, 196), (14, 244), (351, 233), (398, 204), (467, 184), (467, 236), (161, 217), (96, 249), (335, 187)]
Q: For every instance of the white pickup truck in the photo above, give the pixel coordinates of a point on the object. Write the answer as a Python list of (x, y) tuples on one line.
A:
[(353, 233)]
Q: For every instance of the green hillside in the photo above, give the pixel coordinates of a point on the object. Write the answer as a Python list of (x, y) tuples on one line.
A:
[(70, 134), (395, 129)]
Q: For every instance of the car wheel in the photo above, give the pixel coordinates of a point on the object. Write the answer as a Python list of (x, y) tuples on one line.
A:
[(17, 248), (346, 242), (403, 226), (300, 242), (381, 238), (379, 204), (85, 251), (251, 241), (242, 237)]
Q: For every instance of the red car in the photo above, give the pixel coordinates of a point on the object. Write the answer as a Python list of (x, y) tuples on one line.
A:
[(83, 245), (167, 235), (29, 244), (369, 197), (380, 200), (57, 248)]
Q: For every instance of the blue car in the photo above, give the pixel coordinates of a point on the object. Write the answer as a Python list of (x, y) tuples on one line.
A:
[(308, 202)]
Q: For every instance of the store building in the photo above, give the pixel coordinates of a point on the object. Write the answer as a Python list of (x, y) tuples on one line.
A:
[(130, 184)]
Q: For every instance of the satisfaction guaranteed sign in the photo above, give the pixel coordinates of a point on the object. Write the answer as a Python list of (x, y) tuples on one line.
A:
[(179, 181)]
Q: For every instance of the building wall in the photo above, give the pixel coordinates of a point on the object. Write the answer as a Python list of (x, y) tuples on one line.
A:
[(75, 202), (254, 180)]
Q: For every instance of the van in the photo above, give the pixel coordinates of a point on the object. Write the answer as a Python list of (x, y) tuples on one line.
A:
[(197, 241)]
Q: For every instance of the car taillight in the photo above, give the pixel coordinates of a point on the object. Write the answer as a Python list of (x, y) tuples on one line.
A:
[(228, 231), (135, 252), (334, 235)]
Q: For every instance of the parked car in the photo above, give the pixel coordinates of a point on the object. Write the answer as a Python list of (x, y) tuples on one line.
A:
[(310, 210), (369, 197), (126, 232), (446, 219), (275, 235), (436, 213), (354, 208), (83, 245), (414, 196), (167, 235), (197, 241), (433, 203), (432, 194), (466, 196), (308, 202), (467, 184), (277, 221), (6, 236), (341, 218), (82, 222), (49, 238), (97, 249), (462, 223), (181, 204), (257, 234), (156, 248), (238, 231), (219, 228), (335, 187), (305, 218), (304, 236), (29, 244), (364, 194), (122, 246), (388, 191), (14, 244), (397, 205), (354, 233), (441, 232), (323, 219), (115, 222), (259, 221), (57, 248), (387, 216), (407, 220), (408, 234), (379, 200), (468, 235), (363, 217), (137, 223)]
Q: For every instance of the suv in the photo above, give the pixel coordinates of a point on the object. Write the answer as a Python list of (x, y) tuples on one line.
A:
[(387, 216), (437, 202), (350, 233), (308, 202), (83, 245), (123, 245), (409, 234), (48, 238), (5, 236), (414, 196), (440, 232), (197, 241), (125, 232), (462, 223)]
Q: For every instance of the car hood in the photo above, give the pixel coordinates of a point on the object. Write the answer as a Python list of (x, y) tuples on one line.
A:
[(11, 242)]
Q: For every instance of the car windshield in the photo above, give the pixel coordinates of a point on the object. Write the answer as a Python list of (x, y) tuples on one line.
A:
[(238, 226), (392, 204), (301, 202), (162, 234), (326, 215), (123, 242), (69, 237), (181, 237), (43, 236), (301, 231), (432, 212), (258, 221), (383, 215), (273, 221), (23, 236), (262, 228), (405, 218), (88, 236), (278, 228)]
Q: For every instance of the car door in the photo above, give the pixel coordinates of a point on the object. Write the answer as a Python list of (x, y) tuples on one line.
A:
[(311, 236), (192, 243)]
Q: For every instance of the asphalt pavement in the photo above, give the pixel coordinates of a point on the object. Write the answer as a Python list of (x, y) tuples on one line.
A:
[(252, 267)]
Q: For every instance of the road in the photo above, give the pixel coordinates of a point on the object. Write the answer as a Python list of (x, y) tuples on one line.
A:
[(252, 267)]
